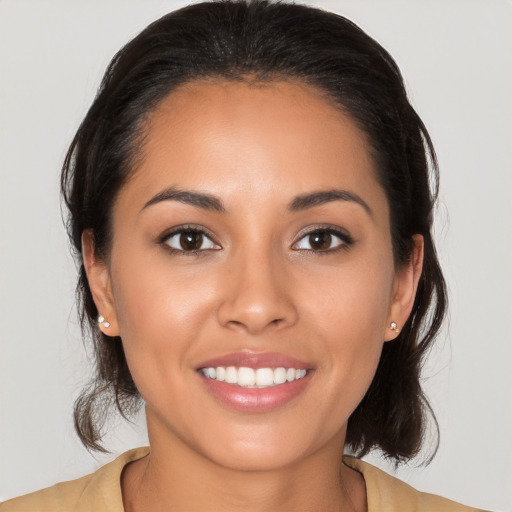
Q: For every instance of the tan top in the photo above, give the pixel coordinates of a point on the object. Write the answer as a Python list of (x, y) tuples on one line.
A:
[(101, 492)]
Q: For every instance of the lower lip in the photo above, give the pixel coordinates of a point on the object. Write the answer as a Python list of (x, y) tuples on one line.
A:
[(256, 399)]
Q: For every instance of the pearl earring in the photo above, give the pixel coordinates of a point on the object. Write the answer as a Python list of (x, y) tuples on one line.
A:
[(101, 320), (394, 327)]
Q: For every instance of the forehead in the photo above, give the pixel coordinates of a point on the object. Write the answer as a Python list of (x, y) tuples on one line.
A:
[(225, 136)]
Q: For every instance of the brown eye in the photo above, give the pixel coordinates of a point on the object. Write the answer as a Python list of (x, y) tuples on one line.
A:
[(190, 240), (320, 241), (323, 240)]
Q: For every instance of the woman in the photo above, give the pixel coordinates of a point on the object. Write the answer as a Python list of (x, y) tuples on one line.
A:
[(250, 203)]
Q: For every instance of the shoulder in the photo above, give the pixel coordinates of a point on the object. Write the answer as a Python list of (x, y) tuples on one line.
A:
[(62, 496), (386, 493), (98, 491)]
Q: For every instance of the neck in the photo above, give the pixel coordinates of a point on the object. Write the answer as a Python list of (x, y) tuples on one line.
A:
[(176, 477)]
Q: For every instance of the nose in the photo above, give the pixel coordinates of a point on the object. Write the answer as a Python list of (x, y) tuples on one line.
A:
[(258, 295)]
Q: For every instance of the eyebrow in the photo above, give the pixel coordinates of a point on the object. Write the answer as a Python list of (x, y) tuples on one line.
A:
[(212, 203), (200, 199), (306, 201)]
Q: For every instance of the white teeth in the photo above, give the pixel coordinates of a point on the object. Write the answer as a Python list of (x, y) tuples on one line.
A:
[(250, 378), (246, 377), (231, 375), (264, 376), (299, 374), (280, 375)]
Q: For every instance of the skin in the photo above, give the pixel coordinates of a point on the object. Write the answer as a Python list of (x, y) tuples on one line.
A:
[(258, 286)]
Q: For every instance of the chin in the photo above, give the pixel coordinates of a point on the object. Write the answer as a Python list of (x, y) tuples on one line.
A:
[(264, 449), (256, 459)]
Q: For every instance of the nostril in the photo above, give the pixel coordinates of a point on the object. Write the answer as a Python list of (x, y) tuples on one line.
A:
[(256, 307), (255, 325)]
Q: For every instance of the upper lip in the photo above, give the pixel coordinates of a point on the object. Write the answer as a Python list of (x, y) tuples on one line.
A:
[(255, 360)]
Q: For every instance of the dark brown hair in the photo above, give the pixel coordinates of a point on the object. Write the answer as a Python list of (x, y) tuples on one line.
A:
[(264, 40)]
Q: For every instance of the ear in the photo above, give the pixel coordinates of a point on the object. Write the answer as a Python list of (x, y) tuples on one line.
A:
[(98, 276), (404, 289)]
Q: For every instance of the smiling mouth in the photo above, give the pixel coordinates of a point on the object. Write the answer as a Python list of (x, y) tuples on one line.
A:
[(254, 378)]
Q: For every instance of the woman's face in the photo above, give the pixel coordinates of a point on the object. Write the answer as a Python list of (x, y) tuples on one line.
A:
[(253, 234)]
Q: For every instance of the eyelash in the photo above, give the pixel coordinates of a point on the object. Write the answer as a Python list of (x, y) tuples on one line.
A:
[(164, 239), (344, 237)]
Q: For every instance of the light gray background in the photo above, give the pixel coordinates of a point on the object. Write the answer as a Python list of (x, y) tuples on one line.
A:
[(456, 58)]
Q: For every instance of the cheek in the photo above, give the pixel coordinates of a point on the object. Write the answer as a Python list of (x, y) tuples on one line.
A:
[(353, 301), (161, 310), (151, 291), (350, 315)]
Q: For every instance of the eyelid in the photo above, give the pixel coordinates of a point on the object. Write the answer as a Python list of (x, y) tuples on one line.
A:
[(169, 233), (337, 231)]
